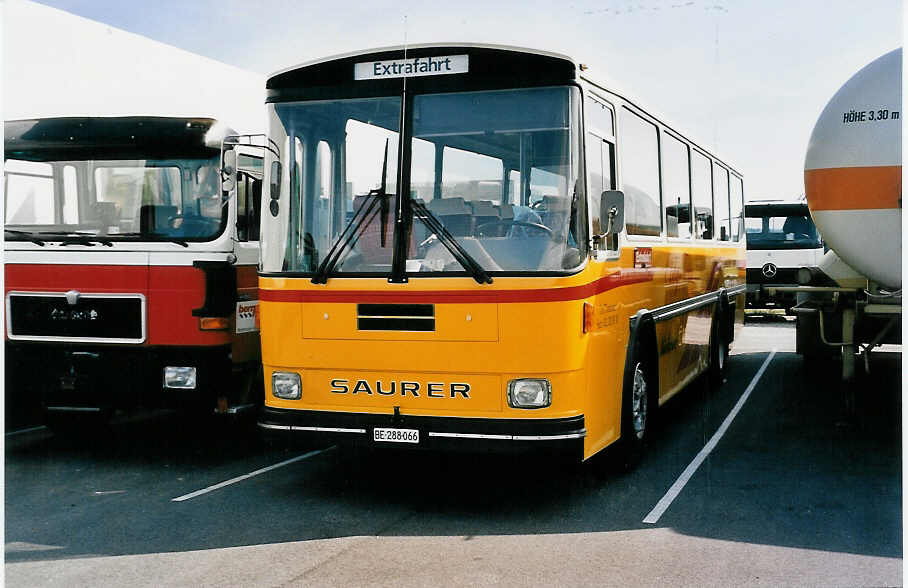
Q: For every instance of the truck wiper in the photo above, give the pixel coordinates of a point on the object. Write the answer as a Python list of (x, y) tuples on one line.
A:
[(79, 239), (460, 254), (361, 217), (24, 234)]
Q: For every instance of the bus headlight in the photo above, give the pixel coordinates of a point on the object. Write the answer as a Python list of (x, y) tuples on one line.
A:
[(179, 377), (286, 385), (529, 393)]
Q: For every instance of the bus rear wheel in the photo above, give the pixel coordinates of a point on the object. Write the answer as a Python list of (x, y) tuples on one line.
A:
[(718, 356)]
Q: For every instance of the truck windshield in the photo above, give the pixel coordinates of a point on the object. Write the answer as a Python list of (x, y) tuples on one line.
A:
[(795, 231), (498, 170), (142, 199)]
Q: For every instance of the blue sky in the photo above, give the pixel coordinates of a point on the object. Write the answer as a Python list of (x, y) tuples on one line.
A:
[(745, 78)]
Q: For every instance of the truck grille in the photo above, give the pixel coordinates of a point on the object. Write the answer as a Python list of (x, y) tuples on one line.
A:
[(113, 318), (395, 317)]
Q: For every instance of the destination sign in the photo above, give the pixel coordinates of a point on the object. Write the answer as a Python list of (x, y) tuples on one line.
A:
[(418, 66)]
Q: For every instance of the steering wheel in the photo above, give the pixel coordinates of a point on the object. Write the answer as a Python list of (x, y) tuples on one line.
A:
[(513, 223)]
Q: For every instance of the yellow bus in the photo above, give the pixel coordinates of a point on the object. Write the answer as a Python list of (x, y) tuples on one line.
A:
[(479, 247)]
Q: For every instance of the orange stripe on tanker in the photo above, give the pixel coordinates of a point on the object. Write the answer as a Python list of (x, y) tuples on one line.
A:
[(834, 189)]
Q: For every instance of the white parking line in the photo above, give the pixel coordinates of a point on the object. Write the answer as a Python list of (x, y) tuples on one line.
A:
[(666, 501), (250, 475), (29, 430)]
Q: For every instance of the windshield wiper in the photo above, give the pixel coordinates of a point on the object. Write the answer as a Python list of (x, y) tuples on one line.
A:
[(460, 254), (351, 232), (26, 235), (81, 239)]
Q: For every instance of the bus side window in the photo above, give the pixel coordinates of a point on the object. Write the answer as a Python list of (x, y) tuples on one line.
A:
[(600, 161), (720, 191), (737, 208), (701, 191), (594, 177), (676, 178), (640, 175)]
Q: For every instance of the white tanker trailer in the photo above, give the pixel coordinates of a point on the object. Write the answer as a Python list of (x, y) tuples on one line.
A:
[(853, 182)]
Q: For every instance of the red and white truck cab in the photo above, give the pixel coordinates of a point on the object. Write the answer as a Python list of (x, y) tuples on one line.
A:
[(130, 267)]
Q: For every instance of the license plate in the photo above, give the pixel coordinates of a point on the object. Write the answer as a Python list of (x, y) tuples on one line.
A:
[(396, 435)]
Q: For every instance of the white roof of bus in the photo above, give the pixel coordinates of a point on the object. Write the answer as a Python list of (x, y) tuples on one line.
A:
[(422, 46), (602, 81)]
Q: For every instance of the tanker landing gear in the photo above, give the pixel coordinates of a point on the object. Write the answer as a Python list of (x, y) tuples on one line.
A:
[(841, 319)]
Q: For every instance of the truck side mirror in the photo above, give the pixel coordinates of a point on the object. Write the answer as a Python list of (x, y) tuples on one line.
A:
[(611, 210), (228, 170)]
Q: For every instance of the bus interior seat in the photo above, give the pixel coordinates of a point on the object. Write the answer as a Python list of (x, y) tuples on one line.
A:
[(454, 214), (420, 230), (107, 214), (369, 241), (505, 211), (484, 213)]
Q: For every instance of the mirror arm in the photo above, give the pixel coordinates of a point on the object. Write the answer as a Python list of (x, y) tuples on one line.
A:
[(611, 234)]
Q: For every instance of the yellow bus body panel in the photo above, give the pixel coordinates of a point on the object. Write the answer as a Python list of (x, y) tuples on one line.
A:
[(486, 335)]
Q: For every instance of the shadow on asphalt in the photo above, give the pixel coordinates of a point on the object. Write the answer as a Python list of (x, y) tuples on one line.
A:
[(794, 470)]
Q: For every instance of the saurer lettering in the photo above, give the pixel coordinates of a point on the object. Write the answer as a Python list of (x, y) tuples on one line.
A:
[(404, 388)]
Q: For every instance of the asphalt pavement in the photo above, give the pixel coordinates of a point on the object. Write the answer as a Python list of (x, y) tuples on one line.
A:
[(794, 490)]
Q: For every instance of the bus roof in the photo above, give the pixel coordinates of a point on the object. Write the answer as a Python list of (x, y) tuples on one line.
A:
[(417, 46), (284, 77)]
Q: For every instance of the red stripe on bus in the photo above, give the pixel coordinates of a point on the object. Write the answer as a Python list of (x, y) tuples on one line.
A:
[(461, 296)]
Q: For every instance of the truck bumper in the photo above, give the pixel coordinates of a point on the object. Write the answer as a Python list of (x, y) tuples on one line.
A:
[(67, 377)]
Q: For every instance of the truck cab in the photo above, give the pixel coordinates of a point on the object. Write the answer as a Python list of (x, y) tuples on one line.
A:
[(781, 239), (130, 271)]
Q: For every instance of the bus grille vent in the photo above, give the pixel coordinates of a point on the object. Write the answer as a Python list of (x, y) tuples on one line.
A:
[(395, 317)]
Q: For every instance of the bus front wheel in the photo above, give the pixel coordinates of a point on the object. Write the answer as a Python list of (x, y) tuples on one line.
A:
[(638, 409)]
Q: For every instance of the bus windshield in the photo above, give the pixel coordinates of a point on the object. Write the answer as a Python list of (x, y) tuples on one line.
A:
[(496, 169), (119, 199), (781, 231)]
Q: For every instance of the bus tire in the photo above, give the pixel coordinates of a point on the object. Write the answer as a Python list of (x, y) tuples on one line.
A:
[(718, 353), (638, 407)]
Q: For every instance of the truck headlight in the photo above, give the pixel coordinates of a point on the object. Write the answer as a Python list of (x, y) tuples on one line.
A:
[(529, 393), (179, 377), (286, 385)]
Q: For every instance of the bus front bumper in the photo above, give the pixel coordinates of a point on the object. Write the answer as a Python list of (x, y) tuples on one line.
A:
[(434, 432)]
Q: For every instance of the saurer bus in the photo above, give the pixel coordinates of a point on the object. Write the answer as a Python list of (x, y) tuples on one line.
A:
[(481, 248), (130, 269)]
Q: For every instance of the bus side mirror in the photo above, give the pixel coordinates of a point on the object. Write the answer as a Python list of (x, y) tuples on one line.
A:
[(611, 209), (228, 170), (275, 188), (275, 180)]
